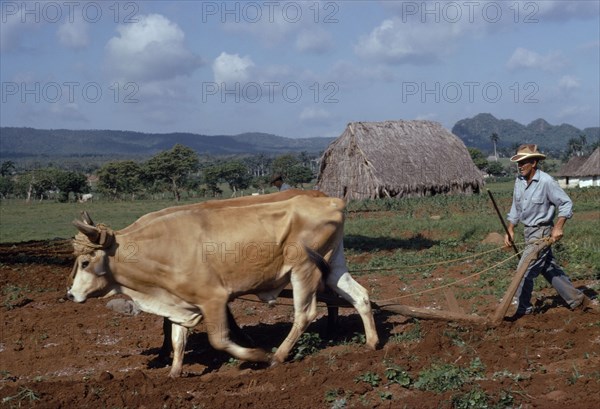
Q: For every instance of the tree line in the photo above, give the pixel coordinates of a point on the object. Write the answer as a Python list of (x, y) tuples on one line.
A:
[(172, 171)]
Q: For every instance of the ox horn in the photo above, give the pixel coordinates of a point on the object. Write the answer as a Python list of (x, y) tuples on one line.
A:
[(87, 219), (91, 232)]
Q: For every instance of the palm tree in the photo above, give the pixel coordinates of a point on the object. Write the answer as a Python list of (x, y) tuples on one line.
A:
[(495, 138), (575, 147)]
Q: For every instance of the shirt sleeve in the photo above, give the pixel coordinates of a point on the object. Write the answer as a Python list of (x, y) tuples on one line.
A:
[(560, 199), (513, 214)]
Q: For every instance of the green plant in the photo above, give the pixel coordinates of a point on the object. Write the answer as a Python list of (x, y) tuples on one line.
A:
[(575, 375), (413, 334), (308, 344), (385, 395), (339, 404), (358, 338), (24, 394), (331, 395), (505, 399), (397, 374), (510, 375), (11, 294), (444, 377), (232, 362), (370, 377), (474, 399)]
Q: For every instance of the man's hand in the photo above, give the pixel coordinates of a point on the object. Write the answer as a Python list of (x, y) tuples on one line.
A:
[(557, 230), (510, 235), (557, 233), (508, 240)]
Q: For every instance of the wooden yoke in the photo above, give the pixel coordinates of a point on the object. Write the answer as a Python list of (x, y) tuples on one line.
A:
[(514, 285)]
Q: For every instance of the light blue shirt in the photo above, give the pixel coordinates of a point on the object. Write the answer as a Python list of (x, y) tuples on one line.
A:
[(284, 186), (535, 205)]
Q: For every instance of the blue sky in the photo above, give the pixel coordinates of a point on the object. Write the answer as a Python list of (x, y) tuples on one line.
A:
[(295, 69)]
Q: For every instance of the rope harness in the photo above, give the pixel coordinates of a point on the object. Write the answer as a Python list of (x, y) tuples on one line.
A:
[(547, 240), (83, 245)]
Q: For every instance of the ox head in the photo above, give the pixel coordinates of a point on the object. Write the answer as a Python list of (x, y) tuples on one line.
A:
[(90, 276)]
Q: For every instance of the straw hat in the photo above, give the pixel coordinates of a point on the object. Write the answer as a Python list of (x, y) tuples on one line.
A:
[(528, 151)]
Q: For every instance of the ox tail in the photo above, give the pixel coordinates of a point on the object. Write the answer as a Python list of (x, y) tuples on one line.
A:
[(321, 264)]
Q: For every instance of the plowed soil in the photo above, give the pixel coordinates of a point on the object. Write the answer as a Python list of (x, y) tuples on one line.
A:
[(58, 354)]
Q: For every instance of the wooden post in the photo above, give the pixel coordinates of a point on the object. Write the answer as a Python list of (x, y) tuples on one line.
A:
[(514, 284)]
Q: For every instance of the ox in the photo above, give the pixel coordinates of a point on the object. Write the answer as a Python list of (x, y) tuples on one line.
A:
[(166, 347), (187, 264)]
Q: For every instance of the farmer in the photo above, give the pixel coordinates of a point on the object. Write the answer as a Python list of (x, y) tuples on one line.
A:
[(277, 181), (536, 196)]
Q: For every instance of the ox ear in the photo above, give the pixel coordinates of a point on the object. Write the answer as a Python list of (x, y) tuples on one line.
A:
[(91, 232), (87, 219)]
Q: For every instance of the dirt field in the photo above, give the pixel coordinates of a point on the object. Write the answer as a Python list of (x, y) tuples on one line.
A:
[(58, 354)]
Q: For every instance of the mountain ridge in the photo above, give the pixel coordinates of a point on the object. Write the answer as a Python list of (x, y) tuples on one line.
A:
[(22, 142), (475, 132)]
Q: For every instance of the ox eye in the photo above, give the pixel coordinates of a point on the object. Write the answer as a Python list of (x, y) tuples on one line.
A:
[(85, 263)]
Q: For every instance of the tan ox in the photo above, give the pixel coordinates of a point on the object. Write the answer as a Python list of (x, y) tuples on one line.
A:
[(166, 347), (187, 264)]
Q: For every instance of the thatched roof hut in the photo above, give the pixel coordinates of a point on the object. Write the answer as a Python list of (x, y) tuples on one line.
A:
[(591, 167), (581, 171), (397, 159)]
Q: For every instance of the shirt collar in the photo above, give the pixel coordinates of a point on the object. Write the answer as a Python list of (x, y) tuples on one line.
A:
[(536, 176)]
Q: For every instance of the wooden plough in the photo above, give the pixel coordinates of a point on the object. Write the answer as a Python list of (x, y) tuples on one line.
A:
[(454, 312)]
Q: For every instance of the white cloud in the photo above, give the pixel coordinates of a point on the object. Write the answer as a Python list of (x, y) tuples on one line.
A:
[(568, 83), (313, 114), (74, 35), (572, 112), (231, 68), (427, 117), (151, 49), (523, 58), (69, 112), (398, 42), (13, 27), (316, 41), (272, 23), (561, 10)]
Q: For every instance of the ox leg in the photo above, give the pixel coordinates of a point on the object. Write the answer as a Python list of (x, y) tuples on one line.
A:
[(215, 315), (358, 296), (342, 283), (178, 339), (305, 311), (166, 348)]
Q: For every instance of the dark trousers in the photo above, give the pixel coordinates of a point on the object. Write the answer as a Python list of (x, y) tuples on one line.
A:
[(547, 266)]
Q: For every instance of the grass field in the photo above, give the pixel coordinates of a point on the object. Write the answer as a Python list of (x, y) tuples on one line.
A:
[(383, 232)]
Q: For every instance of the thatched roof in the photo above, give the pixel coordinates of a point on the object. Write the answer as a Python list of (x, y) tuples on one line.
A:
[(571, 167), (591, 167), (397, 159)]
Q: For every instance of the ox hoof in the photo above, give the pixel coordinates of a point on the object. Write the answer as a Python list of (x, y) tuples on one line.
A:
[(175, 374), (257, 355), (275, 362), (373, 346)]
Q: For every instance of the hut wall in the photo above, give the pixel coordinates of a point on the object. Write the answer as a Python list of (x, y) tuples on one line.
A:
[(568, 182), (589, 181)]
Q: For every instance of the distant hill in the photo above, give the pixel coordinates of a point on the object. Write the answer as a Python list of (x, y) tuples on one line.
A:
[(61, 143), (24, 142), (476, 131)]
